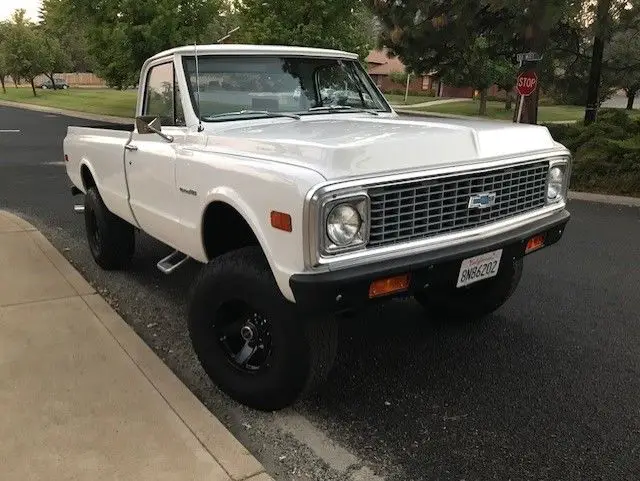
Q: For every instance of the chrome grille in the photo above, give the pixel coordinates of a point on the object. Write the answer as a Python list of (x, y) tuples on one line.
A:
[(406, 211)]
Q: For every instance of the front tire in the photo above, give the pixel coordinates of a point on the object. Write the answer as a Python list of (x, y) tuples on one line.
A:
[(111, 239), (250, 340), (475, 301)]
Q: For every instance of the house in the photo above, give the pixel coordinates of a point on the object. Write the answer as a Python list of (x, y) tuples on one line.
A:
[(381, 65)]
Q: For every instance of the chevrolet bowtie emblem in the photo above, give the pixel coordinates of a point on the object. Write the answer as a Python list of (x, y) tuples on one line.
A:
[(482, 201)]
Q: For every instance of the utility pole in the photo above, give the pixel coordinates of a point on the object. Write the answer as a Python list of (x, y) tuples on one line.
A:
[(593, 92)]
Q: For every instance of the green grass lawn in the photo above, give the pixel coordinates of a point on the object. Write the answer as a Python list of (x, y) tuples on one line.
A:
[(496, 110), (121, 103), (412, 99)]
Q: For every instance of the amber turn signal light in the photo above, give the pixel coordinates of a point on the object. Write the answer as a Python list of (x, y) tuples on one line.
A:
[(390, 285), (535, 243), (281, 221)]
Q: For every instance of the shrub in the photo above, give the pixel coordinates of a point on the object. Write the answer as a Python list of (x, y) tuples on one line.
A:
[(606, 154)]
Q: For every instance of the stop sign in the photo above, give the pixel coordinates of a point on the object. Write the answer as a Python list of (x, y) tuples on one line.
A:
[(527, 83)]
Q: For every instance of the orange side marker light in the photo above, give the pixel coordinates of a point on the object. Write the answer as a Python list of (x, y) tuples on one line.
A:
[(535, 243), (390, 285), (281, 221)]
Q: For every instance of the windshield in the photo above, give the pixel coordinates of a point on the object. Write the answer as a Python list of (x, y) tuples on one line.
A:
[(301, 85)]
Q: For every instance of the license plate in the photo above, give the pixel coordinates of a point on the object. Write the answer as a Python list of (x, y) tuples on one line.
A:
[(480, 267)]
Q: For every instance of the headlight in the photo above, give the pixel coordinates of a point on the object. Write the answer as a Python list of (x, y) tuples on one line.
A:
[(343, 224), (556, 183)]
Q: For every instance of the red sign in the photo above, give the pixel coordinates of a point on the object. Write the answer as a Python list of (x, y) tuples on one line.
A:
[(527, 83)]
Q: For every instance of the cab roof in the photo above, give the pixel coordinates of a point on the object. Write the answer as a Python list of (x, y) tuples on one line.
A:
[(239, 49)]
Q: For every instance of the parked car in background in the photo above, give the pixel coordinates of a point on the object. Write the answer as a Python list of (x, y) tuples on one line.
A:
[(59, 84)]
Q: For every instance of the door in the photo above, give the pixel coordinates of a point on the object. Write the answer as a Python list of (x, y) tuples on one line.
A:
[(150, 160)]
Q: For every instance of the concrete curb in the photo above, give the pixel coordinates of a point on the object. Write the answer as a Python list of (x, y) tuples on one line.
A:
[(234, 458), (605, 199), (70, 113)]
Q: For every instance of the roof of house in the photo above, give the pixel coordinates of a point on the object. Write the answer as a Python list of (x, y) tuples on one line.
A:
[(381, 64), (384, 64)]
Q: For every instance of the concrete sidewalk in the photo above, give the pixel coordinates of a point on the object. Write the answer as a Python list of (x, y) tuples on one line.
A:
[(82, 396), (429, 103)]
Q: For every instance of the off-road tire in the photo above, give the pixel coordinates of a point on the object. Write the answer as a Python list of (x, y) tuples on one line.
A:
[(475, 301), (111, 239), (302, 349)]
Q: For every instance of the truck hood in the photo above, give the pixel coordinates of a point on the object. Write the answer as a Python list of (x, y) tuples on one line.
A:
[(345, 145)]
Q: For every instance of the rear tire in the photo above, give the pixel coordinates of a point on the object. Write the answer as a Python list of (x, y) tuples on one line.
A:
[(475, 301), (250, 340), (111, 239)]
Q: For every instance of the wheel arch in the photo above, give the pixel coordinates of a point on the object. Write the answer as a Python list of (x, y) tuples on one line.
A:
[(88, 176), (227, 205)]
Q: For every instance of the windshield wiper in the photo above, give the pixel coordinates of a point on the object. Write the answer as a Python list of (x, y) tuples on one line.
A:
[(265, 113), (342, 108)]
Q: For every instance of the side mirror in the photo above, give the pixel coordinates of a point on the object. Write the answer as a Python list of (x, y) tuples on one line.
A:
[(150, 124)]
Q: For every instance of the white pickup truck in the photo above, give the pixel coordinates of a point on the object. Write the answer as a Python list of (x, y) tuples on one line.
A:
[(288, 175)]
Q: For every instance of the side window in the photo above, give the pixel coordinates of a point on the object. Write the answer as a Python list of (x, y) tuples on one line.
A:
[(162, 95), (158, 97)]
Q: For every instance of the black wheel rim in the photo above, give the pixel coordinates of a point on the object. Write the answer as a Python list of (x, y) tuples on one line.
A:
[(93, 231), (244, 335)]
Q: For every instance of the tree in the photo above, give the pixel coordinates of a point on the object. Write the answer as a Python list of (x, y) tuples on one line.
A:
[(59, 19), (3, 71), (25, 49), (535, 23), (315, 23), (506, 78), (622, 60), (3, 57), (595, 72), (399, 77), (122, 34), (476, 67), (55, 58), (434, 35)]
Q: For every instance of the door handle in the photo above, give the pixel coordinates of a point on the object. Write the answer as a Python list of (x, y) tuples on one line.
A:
[(131, 147)]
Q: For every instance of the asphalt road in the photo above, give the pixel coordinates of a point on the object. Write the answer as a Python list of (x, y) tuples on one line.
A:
[(547, 388)]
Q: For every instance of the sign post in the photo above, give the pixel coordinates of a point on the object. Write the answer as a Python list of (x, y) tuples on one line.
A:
[(526, 85)]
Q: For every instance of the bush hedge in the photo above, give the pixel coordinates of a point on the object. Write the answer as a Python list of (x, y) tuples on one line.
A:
[(606, 154)]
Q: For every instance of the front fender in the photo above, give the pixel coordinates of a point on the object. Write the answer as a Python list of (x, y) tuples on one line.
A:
[(254, 188)]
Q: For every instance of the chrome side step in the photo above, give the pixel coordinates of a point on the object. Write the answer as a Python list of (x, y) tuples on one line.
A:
[(78, 208), (172, 262)]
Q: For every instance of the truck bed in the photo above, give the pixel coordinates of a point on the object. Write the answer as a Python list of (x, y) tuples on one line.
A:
[(99, 152)]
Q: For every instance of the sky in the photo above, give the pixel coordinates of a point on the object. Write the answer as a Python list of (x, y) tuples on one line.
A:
[(8, 6)]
